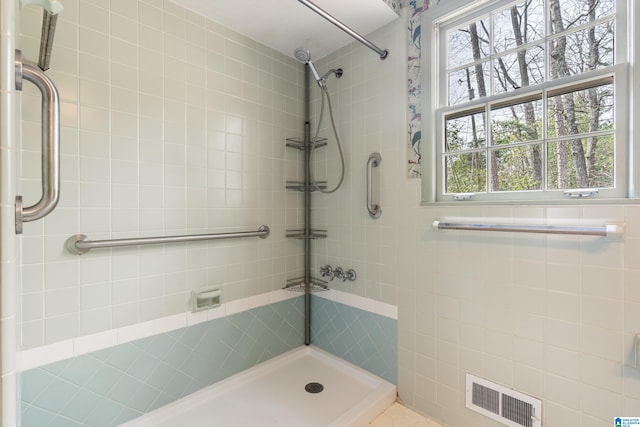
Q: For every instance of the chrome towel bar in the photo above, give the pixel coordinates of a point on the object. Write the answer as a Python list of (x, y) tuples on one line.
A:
[(382, 52), (613, 230), (78, 244)]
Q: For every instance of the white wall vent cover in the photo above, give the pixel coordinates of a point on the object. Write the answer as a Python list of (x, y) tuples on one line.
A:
[(502, 404)]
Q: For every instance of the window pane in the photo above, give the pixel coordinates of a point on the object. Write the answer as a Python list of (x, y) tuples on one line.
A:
[(566, 14), (583, 111), (582, 51), (513, 121), (469, 43), (581, 163), (520, 24), (517, 123), (464, 133), (468, 84), (466, 173), (516, 168), (519, 69)]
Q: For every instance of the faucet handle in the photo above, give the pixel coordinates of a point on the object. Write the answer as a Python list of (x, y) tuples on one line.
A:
[(326, 270), (350, 275)]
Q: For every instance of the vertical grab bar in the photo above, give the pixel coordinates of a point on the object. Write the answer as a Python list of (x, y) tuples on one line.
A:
[(374, 209), (50, 158)]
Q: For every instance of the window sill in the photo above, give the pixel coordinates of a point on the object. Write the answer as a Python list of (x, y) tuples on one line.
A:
[(563, 202)]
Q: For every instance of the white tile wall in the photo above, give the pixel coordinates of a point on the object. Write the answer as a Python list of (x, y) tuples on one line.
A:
[(171, 124), (551, 316)]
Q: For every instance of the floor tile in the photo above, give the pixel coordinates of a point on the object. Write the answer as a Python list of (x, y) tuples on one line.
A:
[(398, 415)]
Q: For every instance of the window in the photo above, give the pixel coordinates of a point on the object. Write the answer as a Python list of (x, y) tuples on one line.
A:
[(530, 100)]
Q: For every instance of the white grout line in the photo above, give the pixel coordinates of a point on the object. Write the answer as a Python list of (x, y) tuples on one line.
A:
[(44, 355)]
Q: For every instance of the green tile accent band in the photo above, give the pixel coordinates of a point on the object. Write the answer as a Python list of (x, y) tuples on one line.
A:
[(112, 386), (364, 339)]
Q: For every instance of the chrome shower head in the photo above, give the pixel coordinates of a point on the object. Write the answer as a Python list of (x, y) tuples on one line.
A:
[(303, 55)]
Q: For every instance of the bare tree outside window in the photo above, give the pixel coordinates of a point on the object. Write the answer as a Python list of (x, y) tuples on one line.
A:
[(553, 138)]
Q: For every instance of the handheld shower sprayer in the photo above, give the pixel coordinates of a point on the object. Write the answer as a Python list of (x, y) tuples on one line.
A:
[(303, 55)]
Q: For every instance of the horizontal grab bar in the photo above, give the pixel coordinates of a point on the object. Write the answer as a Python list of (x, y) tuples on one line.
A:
[(78, 244), (607, 230)]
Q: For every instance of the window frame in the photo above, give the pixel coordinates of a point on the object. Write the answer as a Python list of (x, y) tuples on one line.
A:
[(454, 13)]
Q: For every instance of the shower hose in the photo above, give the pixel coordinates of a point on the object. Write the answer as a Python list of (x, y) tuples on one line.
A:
[(325, 93)]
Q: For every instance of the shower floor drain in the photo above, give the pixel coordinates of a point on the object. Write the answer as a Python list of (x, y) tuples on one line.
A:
[(314, 388)]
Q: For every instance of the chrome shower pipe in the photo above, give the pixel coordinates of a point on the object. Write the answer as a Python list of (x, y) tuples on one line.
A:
[(382, 52), (307, 206)]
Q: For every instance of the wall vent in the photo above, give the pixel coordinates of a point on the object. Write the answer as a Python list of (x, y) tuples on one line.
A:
[(502, 404)]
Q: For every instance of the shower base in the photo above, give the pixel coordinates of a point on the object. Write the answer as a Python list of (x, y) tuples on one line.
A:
[(273, 394)]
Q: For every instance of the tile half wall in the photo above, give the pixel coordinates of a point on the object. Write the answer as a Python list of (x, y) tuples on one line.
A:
[(113, 385), (117, 384)]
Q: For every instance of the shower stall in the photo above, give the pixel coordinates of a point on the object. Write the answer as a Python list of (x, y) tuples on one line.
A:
[(172, 158)]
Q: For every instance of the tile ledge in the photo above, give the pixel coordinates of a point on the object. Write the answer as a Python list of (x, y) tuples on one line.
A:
[(362, 303), (55, 352)]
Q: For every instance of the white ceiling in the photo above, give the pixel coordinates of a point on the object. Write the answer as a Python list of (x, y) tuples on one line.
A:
[(285, 25)]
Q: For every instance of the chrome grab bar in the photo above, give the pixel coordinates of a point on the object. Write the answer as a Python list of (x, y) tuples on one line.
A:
[(612, 230), (374, 209), (78, 244), (382, 52), (50, 133)]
